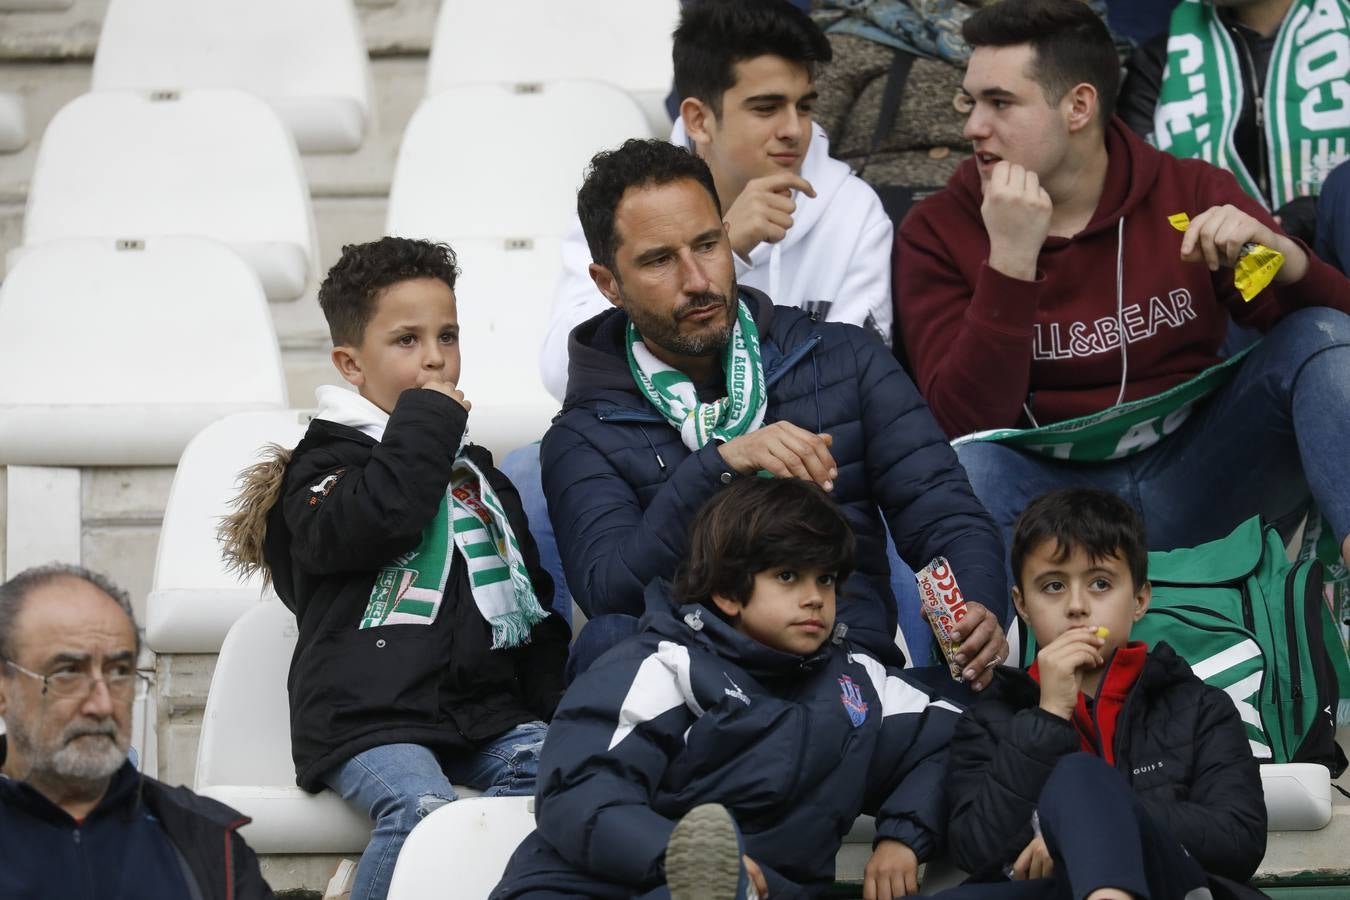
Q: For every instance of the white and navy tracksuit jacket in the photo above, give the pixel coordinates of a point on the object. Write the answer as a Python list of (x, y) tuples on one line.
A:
[(690, 711)]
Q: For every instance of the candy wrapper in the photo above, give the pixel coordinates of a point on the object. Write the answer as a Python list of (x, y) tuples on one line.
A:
[(1256, 265), (943, 606)]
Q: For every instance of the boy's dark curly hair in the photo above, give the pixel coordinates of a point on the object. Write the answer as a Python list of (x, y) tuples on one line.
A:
[(758, 524), (637, 163), (347, 295)]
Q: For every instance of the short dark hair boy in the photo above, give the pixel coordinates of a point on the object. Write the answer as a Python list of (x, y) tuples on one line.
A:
[(1038, 767), (408, 562), (749, 696), (1072, 46), (714, 35)]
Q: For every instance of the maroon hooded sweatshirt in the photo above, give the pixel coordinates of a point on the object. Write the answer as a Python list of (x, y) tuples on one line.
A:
[(982, 344)]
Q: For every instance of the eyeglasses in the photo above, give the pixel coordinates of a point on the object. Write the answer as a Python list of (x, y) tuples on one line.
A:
[(120, 680)]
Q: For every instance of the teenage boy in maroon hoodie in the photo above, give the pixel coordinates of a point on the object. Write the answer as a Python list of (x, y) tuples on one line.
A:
[(1015, 284)]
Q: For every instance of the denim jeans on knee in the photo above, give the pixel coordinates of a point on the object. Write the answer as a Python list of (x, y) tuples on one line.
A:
[(505, 766), (397, 785), (1278, 432)]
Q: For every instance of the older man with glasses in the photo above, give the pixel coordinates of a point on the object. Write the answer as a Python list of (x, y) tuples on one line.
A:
[(77, 819)]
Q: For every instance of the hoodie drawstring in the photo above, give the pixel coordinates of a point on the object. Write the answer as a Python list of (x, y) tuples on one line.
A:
[(659, 461), (1120, 307)]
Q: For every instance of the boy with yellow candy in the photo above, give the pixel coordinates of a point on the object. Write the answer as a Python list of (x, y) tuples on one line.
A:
[(1107, 770)]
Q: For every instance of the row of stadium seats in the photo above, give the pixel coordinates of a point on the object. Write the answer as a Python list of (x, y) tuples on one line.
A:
[(310, 64)]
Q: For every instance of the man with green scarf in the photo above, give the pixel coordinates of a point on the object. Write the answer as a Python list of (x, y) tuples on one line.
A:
[(1257, 87), (691, 383)]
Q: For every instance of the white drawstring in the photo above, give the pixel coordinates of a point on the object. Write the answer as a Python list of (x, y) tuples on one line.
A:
[(1120, 307)]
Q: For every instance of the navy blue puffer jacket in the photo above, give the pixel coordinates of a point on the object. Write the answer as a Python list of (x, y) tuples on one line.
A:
[(622, 489)]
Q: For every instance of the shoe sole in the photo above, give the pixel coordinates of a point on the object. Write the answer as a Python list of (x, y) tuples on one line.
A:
[(703, 856)]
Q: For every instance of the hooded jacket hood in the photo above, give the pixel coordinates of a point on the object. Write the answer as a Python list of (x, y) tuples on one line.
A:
[(244, 530)]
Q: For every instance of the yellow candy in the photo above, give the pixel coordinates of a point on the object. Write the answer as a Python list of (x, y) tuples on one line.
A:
[(1102, 631), (1256, 267)]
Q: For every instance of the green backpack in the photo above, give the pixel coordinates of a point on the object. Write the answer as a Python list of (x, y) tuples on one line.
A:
[(1253, 624)]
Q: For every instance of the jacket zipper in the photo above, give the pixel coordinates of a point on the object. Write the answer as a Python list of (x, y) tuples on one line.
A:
[(229, 856), (1262, 176), (1291, 642)]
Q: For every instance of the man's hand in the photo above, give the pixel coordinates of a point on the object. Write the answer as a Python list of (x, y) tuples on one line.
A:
[(1215, 238), (983, 645), (756, 876), (785, 450), (1061, 663), (1033, 862), (763, 211), (1016, 212), (432, 382), (892, 871)]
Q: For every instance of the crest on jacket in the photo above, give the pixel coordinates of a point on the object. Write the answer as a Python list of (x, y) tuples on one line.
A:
[(854, 704)]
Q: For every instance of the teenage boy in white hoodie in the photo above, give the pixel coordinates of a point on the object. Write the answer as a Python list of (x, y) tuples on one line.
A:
[(804, 229)]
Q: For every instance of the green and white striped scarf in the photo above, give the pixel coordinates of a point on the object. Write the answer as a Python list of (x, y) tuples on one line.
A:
[(472, 520), (1306, 102), (674, 395)]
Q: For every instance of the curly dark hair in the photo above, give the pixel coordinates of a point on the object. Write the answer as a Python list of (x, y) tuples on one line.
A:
[(714, 35), (758, 524), (348, 292), (1071, 43), (638, 163)]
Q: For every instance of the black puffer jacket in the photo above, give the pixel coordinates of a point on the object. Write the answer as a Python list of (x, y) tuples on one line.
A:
[(1178, 741), (350, 506)]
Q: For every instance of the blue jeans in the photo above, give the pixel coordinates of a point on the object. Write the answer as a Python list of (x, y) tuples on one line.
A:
[(1275, 434), (1333, 218), (398, 785), (522, 467)]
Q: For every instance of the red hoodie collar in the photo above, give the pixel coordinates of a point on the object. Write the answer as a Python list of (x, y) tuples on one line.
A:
[(1096, 727)]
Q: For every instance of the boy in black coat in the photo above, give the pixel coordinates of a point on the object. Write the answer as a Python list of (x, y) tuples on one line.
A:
[(1106, 770), (426, 654)]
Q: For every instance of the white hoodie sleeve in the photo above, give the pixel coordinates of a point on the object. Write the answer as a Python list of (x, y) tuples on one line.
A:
[(866, 287), (575, 300)]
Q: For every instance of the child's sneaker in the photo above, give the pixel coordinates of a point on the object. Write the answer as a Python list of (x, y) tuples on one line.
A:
[(703, 857)]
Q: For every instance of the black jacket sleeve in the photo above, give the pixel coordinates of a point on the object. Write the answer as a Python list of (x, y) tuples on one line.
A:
[(1222, 823), (1142, 86), (611, 547), (347, 518), (1000, 759), (922, 490)]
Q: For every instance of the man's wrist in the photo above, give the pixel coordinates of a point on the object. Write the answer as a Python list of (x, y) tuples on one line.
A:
[(1295, 262)]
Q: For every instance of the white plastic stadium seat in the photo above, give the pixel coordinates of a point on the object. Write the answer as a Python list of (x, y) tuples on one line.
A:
[(503, 297), (13, 131), (244, 758), (307, 58), (621, 42), (213, 163), (466, 844), (117, 355), (489, 161), (193, 600), (34, 5)]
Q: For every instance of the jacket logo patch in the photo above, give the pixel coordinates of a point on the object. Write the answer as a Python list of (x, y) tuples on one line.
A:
[(321, 489), (735, 690), (1148, 767), (854, 704)]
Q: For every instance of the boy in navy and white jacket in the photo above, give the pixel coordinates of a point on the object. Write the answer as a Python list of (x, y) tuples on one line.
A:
[(740, 691)]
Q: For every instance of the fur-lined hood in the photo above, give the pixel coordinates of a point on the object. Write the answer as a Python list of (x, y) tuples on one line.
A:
[(243, 531)]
